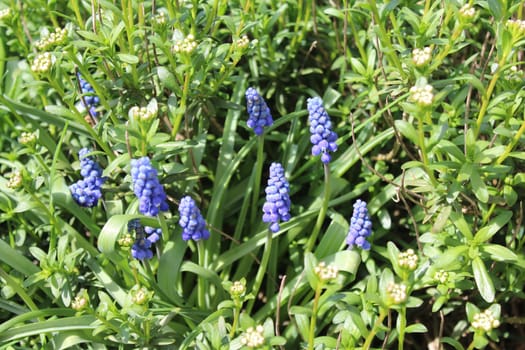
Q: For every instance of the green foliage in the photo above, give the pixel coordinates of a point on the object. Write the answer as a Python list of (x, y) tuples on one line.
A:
[(427, 99)]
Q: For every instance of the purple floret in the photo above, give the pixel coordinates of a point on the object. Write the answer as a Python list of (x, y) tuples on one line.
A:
[(146, 186), (277, 205), (258, 112), (322, 137), (360, 227), (192, 223)]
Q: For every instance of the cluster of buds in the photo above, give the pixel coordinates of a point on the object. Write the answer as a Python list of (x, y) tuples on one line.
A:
[(186, 45), (159, 19), (253, 337), (397, 292), (140, 295), (126, 240), (16, 180), (421, 57), (408, 260), (422, 95), (326, 273), (80, 302), (5, 14), (27, 138), (485, 321), (441, 276), (242, 42), (52, 39), (516, 27), (238, 288), (144, 113), (467, 12), (43, 62)]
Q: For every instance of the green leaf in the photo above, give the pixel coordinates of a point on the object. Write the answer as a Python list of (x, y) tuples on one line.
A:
[(496, 224), (310, 262), (416, 328), (495, 7), (461, 224), (453, 342), (16, 260), (450, 256), (169, 267), (407, 130), (334, 238), (127, 58), (118, 294), (499, 253), (49, 326), (483, 280), (478, 186)]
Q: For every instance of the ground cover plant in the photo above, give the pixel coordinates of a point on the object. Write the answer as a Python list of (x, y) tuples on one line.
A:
[(262, 174)]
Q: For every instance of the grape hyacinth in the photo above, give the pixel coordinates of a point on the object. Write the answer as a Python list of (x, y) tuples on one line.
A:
[(360, 226), (322, 137), (191, 221), (90, 99), (277, 205), (258, 112), (146, 185), (87, 191), (141, 249)]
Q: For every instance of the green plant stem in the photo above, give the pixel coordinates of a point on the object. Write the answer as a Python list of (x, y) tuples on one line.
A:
[(485, 99), (257, 182), (201, 282), (384, 39), (262, 270), (76, 10), (236, 314), (402, 327), (512, 143), (17, 288), (322, 212), (423, 148), (313, 320), (377, 324), (183, 100)]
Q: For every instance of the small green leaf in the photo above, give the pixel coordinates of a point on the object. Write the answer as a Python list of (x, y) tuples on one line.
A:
[(496, 224), (478, 186), (407, 130), (416, 328), (499, 253), (483, 280), (127, 58), (496, 9)]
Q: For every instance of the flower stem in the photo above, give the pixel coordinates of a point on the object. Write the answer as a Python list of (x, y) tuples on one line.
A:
[(402, 325), (201, 282), (257, 181), (377, 324), (262, 269), (322, 211), (313, 320), (236, 314)]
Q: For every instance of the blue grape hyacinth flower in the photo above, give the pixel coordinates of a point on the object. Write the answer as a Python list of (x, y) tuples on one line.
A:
[(258, 112), (322, 137), (141, 249), (146, 186), (90, 98), (192, 223), (360, 227), (277, 205), (87, 191)]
